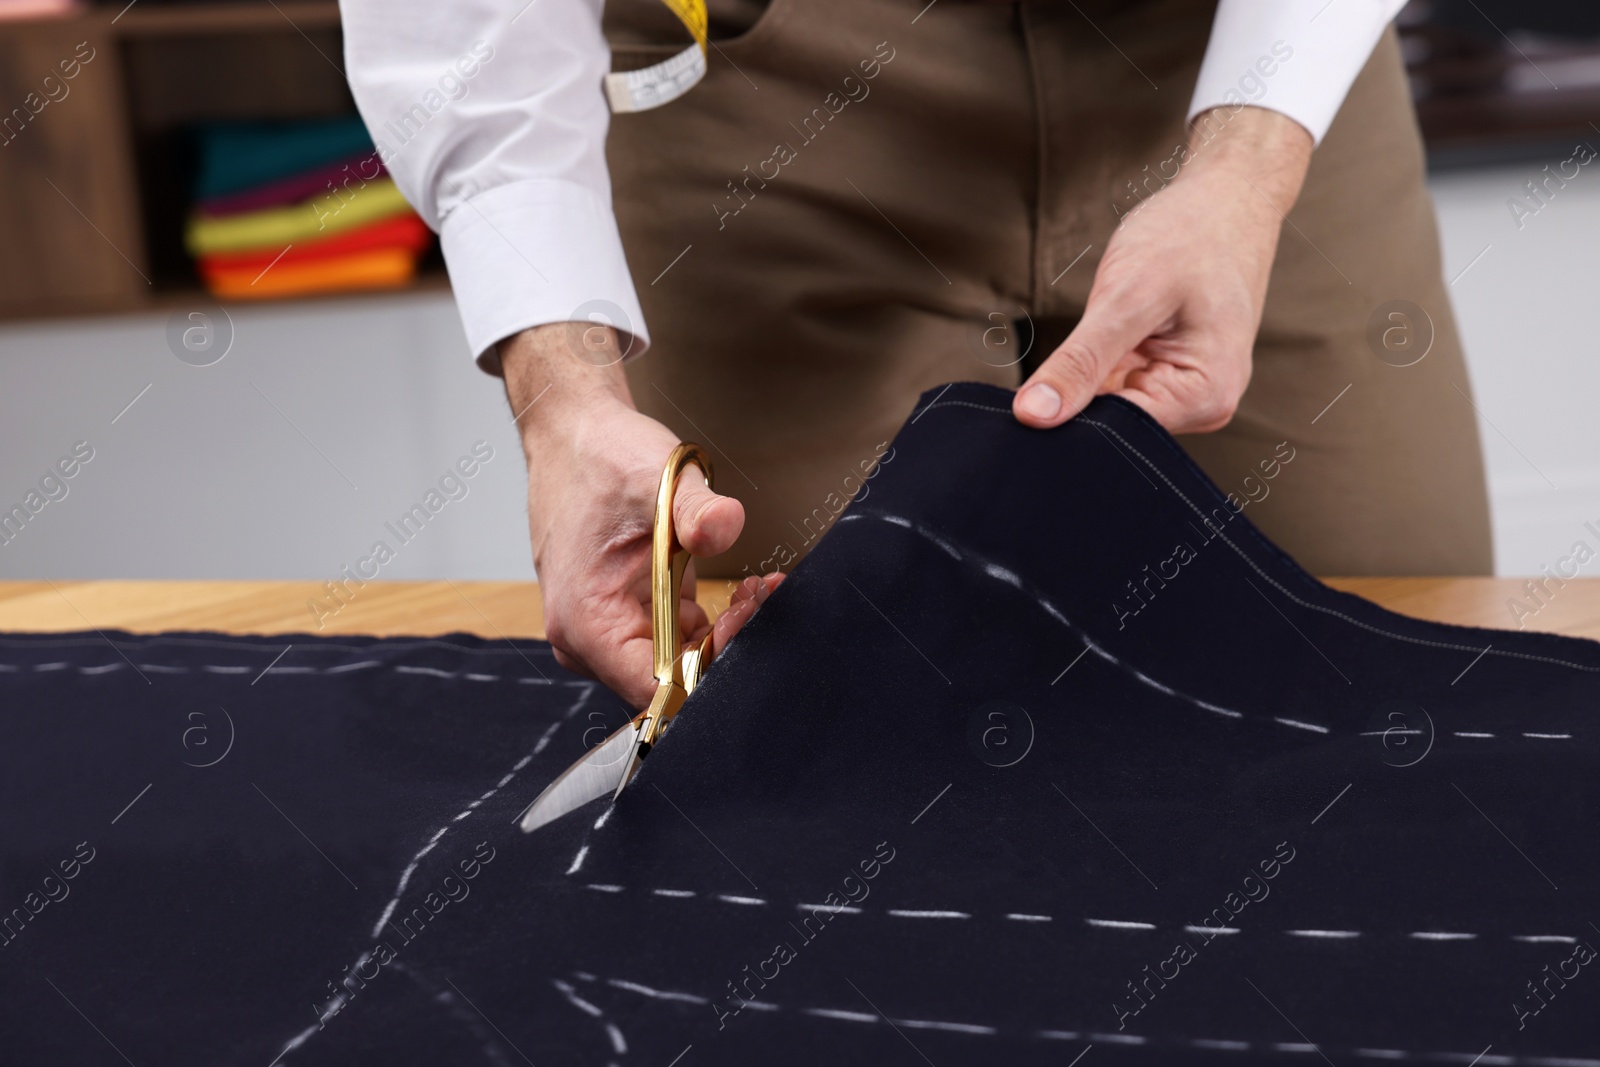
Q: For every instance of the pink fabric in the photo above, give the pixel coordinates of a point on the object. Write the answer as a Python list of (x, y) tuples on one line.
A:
[(297, 187)]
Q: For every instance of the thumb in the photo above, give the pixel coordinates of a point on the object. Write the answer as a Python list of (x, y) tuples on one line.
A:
[(706, 524), (1111, 327)]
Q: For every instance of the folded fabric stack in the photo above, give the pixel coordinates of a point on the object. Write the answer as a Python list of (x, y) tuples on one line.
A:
[(297, 208)]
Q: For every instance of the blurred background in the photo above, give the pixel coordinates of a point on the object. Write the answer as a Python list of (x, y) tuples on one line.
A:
[(256, 399)]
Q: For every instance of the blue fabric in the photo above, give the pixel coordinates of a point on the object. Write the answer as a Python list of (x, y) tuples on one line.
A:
[(235, 156), (957, 795)]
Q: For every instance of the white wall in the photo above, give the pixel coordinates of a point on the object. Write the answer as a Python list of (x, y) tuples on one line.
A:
[(1528, 310), (202, 478)]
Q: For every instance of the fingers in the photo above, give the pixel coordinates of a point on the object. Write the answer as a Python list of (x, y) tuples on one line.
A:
[(750, 595), (630, 671), (693, 622), (1113, 324), (627, 669), (1189, 397), (607, 636), (706, 524)]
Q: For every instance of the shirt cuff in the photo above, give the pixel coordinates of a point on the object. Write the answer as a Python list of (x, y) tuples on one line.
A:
[(534, 252), (1296, 57)]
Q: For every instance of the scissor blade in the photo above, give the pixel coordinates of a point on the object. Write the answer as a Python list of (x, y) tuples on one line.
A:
[(598, 773), (636, 754), (652, 724)]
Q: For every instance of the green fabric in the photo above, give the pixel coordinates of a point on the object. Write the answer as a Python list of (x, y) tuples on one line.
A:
[(239, 155), (275, 227)]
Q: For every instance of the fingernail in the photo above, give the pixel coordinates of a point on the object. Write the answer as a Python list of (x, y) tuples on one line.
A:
[(1041, 401)]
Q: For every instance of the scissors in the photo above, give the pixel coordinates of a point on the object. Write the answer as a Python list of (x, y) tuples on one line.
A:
[(611, 765)]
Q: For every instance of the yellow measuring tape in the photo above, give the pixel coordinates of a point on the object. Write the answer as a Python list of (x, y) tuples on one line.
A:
[(641, 90)]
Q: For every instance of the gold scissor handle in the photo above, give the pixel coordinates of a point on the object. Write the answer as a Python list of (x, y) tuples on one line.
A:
[(678, 669), (667, 563)]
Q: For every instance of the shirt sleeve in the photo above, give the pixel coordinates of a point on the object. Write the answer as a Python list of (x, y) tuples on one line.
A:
[(490, 116), (1296, 57)]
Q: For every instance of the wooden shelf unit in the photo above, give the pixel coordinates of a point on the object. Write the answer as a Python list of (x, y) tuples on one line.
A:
[(94, 186)]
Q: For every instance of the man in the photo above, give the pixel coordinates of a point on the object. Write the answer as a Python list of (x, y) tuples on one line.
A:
[(863, 199)]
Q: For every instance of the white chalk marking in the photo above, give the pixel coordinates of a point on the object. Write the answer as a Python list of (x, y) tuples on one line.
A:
[(1298, 725), (345, 667), (1117, 1039), (657, 994), (954, 1028), (1337, 935), (835, 1013), (432, 671)]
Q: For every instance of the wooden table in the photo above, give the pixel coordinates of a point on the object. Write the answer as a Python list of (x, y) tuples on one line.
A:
[(514, 609)]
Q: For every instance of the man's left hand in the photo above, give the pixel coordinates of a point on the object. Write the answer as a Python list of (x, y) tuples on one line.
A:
[(1172, 316)]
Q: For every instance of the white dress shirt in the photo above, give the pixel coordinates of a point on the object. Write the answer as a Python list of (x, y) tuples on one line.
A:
[(489, 115)]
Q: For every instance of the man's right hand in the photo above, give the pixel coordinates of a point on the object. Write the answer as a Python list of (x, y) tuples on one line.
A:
[(594, 467)]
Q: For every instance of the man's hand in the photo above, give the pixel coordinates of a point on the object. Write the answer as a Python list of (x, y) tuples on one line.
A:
[(594, 466), (1173, 313)]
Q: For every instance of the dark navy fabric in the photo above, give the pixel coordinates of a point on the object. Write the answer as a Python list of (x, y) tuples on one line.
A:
[(1044, 749)]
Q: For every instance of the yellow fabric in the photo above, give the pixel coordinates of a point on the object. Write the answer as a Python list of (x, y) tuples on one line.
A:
[(320, 216), (382, 268)]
